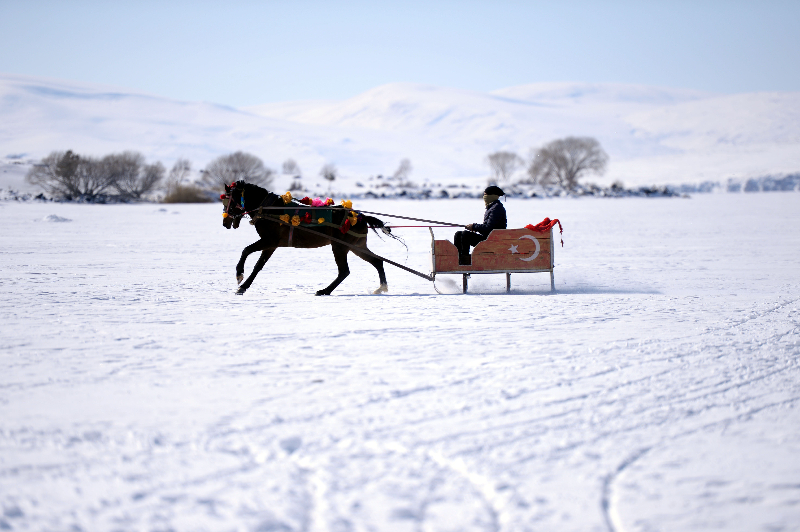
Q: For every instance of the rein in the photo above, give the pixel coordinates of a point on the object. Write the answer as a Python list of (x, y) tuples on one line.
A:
[(439, 224), (401, 226), (308, 207)]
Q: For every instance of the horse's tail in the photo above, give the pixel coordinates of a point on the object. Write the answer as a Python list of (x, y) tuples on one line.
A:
[(375, 224)]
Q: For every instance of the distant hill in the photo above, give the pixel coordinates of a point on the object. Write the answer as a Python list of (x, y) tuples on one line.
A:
[(654, 135)]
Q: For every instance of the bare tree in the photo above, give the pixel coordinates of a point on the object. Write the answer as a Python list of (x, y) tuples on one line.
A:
[(402, 173), (130, 175), (290, 167), (178, 175), (565, 161), (403, 170), (93, 177), (178, 188), (329, 173), (56, 173), (150, 178), (69, 175), (124, 170), (503, 164), (238, 166)]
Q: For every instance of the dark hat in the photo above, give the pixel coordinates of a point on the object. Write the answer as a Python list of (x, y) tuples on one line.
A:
[(494, 190)]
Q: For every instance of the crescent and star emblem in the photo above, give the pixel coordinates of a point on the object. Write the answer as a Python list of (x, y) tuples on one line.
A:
[(534, 254)]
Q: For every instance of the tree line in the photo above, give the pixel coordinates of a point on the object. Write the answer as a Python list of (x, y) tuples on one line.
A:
[(562, 163), (69, 175), (127, 175)]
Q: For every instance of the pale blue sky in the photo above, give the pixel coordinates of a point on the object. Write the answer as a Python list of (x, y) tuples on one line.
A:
[(243, 53)]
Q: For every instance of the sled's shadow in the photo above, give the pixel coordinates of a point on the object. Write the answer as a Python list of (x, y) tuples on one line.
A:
[(559, 292), (456, 290), (449, 286), (607, 290)]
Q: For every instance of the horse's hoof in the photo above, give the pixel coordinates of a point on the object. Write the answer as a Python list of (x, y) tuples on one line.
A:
[(240, 292), (322, 293), (239, 278), (382, 289)]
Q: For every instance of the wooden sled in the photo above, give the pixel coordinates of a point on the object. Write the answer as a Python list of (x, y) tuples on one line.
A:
[(505, 251)]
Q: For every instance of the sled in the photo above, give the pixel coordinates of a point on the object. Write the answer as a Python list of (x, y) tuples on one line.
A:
[(504, 251)]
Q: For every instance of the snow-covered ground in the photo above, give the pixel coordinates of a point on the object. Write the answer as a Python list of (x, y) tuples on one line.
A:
[(653, 135), (658, 389)]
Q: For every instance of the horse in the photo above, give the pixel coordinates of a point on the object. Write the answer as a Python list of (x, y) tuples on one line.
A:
[(245, 198)]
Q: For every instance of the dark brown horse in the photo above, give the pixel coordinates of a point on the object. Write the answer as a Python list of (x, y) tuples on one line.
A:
[(244, 198)]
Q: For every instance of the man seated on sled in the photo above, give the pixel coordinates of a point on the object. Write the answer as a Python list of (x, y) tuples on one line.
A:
[(493, 218)]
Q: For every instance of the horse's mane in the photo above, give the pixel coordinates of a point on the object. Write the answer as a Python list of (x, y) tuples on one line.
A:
[(256, 191), (251, 187)]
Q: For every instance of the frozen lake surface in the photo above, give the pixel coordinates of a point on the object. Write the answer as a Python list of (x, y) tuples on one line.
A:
[(658, 389)]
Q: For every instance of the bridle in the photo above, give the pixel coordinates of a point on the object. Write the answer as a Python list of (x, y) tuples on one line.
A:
[(237, 210), (227, 199)]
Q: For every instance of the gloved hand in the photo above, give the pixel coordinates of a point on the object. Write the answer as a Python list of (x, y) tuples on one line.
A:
[(468, 227)]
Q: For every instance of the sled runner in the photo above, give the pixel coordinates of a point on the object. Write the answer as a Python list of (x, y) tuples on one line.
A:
[(504, 251)]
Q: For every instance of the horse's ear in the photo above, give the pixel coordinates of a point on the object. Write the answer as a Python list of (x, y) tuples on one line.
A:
[(227, 189)]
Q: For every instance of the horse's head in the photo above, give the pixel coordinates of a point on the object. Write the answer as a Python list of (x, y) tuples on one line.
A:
[(233, 205)]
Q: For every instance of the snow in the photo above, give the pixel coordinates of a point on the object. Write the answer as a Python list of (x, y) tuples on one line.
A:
[(653, 135), (656, 390)]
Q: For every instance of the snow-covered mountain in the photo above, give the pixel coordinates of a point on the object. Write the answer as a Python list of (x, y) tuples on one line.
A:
[(39, 116), (654, 135)]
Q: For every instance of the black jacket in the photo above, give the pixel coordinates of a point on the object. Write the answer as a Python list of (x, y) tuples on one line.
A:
[(493, 218)]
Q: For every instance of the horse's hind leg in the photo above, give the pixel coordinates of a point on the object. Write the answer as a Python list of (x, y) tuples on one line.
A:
[(340, 255), (265, 255), (378, 264)]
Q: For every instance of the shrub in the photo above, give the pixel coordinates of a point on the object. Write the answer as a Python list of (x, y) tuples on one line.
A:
[(187, 194)]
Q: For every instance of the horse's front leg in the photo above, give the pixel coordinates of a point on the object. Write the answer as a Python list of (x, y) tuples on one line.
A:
[(265, 255), (258, 245)]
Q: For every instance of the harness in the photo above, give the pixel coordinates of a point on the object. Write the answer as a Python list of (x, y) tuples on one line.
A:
[(295, 214)]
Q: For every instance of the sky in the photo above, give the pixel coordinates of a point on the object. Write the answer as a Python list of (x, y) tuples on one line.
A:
[(243, 53)]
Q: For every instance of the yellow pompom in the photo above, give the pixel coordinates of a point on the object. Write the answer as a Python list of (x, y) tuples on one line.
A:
[(224, 214), (287, 198), (347, 204), (320, 220), (295, 220), (284, 218)]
